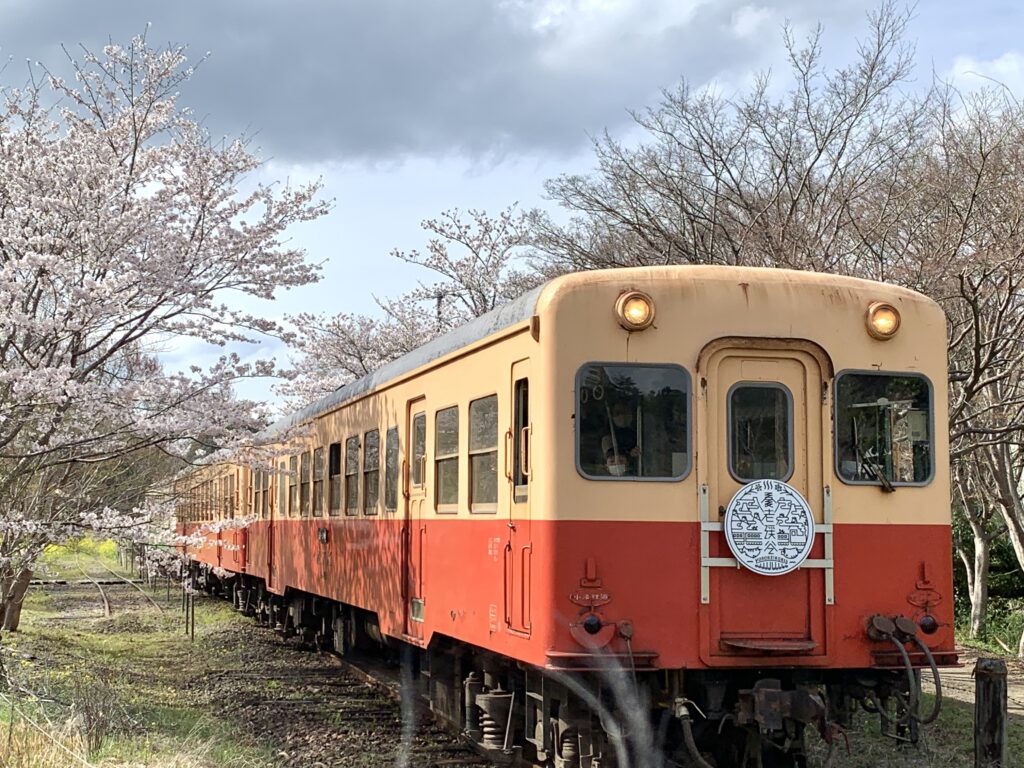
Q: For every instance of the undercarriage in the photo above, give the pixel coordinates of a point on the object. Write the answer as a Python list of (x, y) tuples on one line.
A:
[(615, 713)]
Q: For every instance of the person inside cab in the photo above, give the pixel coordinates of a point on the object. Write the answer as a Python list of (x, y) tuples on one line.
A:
[(620, 446)]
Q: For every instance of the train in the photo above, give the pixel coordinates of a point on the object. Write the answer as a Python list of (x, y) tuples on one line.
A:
[(671, 513)]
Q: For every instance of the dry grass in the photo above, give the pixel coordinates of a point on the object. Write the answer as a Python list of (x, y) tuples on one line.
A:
[(28, 745)]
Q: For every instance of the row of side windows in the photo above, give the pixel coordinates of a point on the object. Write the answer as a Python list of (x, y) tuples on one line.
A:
[(482, 450), (346, 477), (335, 478), (208, 501)]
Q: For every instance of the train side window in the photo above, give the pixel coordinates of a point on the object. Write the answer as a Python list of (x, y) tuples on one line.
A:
[(446, 459), (760, 431), (282, 489), (419, 449), (293, 486), (632, 422), (483, 454), (334, 478), (883, 427), (265, 496), (520, 440), (371, 471), (391, 470), (318, 482), (352, 476), (304, 483)]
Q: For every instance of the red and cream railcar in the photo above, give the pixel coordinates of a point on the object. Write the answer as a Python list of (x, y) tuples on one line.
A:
[(731, 483)]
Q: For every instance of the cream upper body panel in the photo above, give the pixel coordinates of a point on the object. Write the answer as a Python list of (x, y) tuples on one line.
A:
[(696, 306), (570, 322)]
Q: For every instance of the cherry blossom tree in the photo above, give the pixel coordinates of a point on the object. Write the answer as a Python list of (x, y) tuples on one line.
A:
[(124, 229), (476, 263)]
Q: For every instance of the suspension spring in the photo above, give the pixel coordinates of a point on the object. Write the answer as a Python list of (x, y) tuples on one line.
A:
[(493, 732), (570, 746)]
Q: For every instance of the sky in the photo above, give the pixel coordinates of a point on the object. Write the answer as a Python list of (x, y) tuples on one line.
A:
[(407, 108)]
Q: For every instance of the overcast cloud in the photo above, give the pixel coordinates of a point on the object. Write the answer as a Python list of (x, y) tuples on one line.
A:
[(372, 79), (405, 108)]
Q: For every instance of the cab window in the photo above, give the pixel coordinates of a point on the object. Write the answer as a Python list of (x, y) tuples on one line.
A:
[(352, 476), (632, 421), (371, 471), (883, 428), (391, 470), (419, 449)]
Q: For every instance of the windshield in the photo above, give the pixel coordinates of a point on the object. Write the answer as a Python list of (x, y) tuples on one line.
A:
[(883, 428), (633, 421)]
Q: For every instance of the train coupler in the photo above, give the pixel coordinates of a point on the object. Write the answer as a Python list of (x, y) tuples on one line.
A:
[(769, 707)]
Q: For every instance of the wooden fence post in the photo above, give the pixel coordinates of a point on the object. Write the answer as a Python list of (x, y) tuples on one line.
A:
[(990, 745)]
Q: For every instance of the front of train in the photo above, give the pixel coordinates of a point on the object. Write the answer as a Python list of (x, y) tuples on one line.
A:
[(756, 532)]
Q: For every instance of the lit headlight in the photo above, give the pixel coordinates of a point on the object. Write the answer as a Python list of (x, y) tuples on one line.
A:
[(634, 310), (883, 320)]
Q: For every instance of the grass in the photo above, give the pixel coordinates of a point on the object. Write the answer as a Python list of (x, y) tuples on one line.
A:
[(130, 675), (114, 692), (948, 743), (61, 560)]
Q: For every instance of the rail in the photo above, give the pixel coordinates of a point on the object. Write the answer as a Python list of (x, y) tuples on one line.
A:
[(106, 600)]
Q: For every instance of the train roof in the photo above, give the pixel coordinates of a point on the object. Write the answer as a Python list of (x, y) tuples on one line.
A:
[(521, 309), (507, 315)]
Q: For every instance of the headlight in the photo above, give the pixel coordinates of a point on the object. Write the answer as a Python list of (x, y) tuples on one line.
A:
[(634, 310), (883, 320)]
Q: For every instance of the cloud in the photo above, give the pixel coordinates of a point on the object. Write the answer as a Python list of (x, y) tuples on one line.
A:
[(750, 20), (969, 73), (372, 80)]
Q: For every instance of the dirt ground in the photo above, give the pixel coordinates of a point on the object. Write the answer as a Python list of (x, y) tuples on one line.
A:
[(958, 683)]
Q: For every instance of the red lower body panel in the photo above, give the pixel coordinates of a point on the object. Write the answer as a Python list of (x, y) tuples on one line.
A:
[(520, 598)]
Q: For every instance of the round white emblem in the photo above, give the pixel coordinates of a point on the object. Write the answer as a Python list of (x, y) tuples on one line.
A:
[(769, 527)]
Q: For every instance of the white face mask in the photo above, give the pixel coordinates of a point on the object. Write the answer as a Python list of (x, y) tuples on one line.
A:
[(617, 470)]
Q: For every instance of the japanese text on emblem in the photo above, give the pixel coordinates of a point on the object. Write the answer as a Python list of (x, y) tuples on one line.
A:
[(769, 527)]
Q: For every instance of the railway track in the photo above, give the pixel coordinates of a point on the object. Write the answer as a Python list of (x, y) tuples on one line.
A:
[(327, 710), (103, 593), (141, 591)]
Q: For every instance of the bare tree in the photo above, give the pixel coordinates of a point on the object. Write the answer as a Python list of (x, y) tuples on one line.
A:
[(977, 506), (475, 261), (854, 170), (803, 180)]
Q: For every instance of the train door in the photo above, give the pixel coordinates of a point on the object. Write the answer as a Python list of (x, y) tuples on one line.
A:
[(519, 547), (414, 523), (236, 484), (764, 419), (275, 530)]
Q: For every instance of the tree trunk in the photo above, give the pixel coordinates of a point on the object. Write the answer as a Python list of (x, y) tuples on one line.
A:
[(15, 598), (979, 586), (976, 568)]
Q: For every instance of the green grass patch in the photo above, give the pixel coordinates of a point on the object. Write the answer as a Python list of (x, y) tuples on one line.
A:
[(119, 691), (949, 742), (66, 561)]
